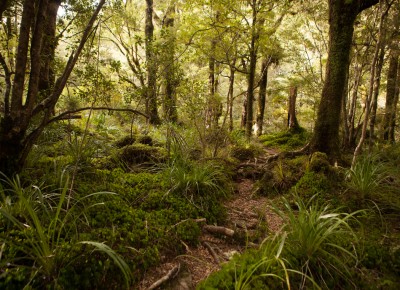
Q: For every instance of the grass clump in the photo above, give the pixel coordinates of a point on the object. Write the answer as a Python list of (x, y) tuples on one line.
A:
[(312, 251), (202, 184), (41, 235), (366, 176), (320, 242)]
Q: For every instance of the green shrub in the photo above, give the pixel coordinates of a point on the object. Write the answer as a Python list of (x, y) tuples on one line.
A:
[(37, 227), (125, 141), (245, 152), (319, 162), (285, 141), (203, 184), (313, 184), (140, 153), (145, 139)]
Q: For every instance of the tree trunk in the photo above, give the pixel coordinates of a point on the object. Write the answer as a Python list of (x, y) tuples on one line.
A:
[(170, 109), (230, 95), (351, 139), (391, 92), (342, 14), (262, 95), (151, 90), (377, 85), (252, 72), (368, 101), (293, 124)]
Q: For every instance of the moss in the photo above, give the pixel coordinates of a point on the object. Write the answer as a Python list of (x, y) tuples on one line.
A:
[(242, 153), (140, 153), (145, 139), (245, 151), (287, 140), (125, 141), (319, 162), (312, 183)]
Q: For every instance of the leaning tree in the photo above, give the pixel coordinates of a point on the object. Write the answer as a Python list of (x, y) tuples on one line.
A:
[(31, 90)]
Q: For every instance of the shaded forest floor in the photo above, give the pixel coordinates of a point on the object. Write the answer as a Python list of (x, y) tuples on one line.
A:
[(249, 216)]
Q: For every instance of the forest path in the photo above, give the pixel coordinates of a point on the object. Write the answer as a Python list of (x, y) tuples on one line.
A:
[(250, 217)]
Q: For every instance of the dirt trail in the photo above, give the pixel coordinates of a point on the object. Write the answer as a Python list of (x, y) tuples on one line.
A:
[(247, 216)]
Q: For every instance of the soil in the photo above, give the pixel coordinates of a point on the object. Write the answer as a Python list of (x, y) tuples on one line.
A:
[(249, 216)]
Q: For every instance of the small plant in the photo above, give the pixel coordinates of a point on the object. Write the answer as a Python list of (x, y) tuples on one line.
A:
[(38, 228), (201, 183), (366, 176), (318, 242)]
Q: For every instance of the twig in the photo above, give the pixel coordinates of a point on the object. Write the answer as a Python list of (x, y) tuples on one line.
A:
[(171, 274), (186, 220), (212, 252)]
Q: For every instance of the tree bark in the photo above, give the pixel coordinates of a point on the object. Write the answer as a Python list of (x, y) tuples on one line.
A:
[(262, 95), (151, 90), (230, 94), (293, 124), (170, 109), (342, 14), (391, 92), (252, 72)]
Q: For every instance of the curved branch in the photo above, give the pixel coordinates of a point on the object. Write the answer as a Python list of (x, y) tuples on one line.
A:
[(71, 112)]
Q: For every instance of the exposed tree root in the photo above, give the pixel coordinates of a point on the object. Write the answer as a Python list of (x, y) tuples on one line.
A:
[(290, 154), (212, 252)]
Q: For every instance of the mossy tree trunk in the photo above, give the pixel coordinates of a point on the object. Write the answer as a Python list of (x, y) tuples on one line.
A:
[(252, 69), (342, 14), (170, 109), (151, 90), (262, 95)]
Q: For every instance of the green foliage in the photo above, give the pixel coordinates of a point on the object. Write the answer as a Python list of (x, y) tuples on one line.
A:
[(140, 153), (286, 141), (313, 184), (366, 176), (255, 269), (319, 163), (281, 176), (245, 152), (38, 228), (125, 141), (312, 251), (320, 242), (203, 184)]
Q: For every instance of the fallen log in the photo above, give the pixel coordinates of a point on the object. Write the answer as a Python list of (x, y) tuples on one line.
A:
[(219, 230)]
